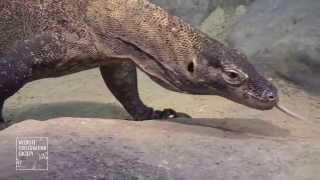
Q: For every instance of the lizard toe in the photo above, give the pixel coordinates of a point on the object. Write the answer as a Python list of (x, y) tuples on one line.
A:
[(170, 114), (157, 114), (183, 115)]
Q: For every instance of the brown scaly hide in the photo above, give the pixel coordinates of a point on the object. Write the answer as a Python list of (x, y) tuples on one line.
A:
[(160, 36)]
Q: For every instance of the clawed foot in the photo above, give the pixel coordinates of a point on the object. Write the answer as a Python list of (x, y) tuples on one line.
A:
[(168, 114), (165, 114)]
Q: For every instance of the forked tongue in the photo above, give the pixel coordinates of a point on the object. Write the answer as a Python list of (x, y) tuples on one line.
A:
[(288, 112)]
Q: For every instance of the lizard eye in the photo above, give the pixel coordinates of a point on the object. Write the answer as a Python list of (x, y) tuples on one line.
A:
[(234, 77)]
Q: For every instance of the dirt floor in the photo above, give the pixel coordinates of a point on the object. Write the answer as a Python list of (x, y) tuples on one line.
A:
[(225, 140), (85, 95)]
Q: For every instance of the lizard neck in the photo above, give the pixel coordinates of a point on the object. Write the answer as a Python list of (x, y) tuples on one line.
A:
[(160, 44), (145, 25)]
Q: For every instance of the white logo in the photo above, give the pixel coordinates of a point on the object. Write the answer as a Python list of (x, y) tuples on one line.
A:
[(32, 153)]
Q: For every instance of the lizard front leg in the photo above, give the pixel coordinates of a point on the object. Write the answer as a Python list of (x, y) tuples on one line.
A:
[(121, 79)]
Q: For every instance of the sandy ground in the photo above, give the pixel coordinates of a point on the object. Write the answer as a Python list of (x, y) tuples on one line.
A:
[(85, 95), (225, 140)]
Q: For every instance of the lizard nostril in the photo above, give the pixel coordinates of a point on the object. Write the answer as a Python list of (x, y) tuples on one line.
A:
[(271, 96)]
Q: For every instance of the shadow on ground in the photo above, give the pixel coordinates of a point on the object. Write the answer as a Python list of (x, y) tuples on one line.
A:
[(44, 112), (68, 109), (237, 126)]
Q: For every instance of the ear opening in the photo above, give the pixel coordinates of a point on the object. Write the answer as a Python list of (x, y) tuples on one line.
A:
[(191, 67)]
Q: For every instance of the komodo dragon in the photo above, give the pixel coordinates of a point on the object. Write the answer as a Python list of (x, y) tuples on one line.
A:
[(51, 38)]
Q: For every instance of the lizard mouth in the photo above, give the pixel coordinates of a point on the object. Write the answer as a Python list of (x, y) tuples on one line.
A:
[(164, 83), (260, 103)]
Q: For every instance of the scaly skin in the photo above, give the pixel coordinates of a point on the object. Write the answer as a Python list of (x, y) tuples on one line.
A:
[(51, 38)]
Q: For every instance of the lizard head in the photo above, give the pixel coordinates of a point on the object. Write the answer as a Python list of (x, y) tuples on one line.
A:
[(218, 70), (227, 72), (221, 71)]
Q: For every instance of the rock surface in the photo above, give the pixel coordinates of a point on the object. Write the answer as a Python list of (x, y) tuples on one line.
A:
[(203, 149), (283, 38), (219, 23), (237, 143), (192, 11), (195, 11)]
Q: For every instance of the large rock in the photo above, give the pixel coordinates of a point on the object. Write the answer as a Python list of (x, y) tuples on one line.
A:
[(195, 11), (221, 149), (218, 24), (282, 36)]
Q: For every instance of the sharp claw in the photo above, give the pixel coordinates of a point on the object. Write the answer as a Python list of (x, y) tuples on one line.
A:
[(167, 114), (183, 115), (171, 116)]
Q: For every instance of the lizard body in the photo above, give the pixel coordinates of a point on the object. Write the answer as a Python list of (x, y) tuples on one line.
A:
[(50, 38)]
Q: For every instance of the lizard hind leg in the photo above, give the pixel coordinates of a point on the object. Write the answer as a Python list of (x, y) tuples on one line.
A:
[(121, 79), (3, 123), (1, 109), (14, 73), (35, 58)]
